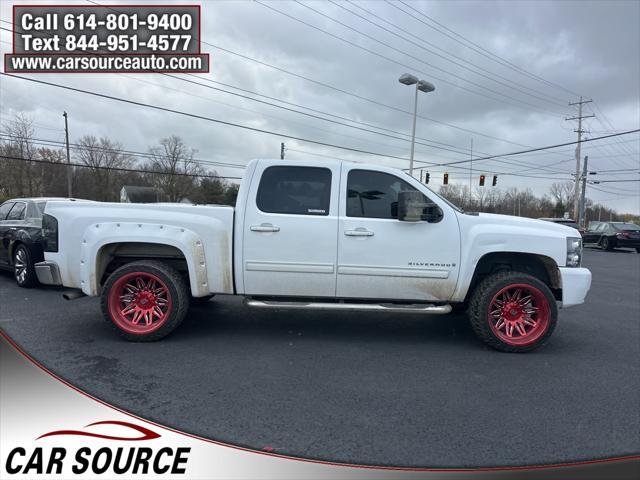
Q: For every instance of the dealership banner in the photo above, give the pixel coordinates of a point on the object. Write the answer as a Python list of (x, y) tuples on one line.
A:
[(51, 429)]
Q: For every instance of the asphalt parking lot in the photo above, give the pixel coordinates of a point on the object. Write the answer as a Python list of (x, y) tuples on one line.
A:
[(383, 389)]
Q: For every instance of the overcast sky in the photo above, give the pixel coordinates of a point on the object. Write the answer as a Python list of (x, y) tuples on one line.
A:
[(506, 91)]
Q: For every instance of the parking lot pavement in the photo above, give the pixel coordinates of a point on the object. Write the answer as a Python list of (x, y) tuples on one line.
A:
[(403, 390)]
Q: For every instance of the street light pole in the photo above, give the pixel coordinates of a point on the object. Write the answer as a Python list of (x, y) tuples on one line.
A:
[(413, 130), (423, 86)]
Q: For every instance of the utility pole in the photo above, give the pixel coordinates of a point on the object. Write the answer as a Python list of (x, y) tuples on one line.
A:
[(581, 220), (282, 151), (576, 193), (66, 133)]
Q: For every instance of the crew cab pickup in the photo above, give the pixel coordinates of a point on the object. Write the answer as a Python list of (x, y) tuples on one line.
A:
[(330, 235)]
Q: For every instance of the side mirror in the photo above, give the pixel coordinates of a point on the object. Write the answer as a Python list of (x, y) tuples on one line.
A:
[(413, 208)]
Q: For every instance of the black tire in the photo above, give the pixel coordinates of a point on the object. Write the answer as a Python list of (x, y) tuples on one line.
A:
[(481, 319), (174, 294), (607, 244), (637, 249), (23, 268)]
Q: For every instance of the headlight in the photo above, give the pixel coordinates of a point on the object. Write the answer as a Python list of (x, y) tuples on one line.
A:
[(574, 251)]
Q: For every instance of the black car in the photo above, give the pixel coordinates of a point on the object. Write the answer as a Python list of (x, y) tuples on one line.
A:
[(610, 235), (21, 238), (564, 221)]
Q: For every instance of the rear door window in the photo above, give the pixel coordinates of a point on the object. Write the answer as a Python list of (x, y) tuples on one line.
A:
[(17, 212), (4, 210), (295, 190)]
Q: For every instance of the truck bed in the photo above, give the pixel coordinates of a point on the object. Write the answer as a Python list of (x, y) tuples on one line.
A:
[(203, 234)]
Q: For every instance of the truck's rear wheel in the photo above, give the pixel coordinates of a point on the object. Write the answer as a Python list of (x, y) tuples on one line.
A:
[(145, 300), (513, 312)]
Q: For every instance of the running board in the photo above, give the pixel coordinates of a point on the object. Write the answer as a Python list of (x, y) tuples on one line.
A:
[(369, 307)]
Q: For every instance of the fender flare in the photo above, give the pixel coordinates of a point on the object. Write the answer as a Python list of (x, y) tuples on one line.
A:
[(99, 235)]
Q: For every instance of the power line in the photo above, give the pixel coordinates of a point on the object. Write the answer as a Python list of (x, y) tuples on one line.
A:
[(346, 92), (355, 95), (202, 117), (622, 148), (477, 48), (316, 116), (619, 170), (488, 171), (83, 147), (389, 59), (287, 120), (461, 65), (571, 159), (304, 113), (631, 195), (80, 146), (458, 151), (619, 181), (299, 112), (119, 169), (291, 136), (541, 148)]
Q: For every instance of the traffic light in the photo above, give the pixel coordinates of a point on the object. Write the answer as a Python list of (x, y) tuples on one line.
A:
[(482, 180), (495, 180), (426, 177), (445, 181)]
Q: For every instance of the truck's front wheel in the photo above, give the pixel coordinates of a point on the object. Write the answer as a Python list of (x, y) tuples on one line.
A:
[(513, 312), (145, 300)]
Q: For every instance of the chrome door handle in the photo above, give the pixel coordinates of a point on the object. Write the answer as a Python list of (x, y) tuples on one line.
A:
[(359, 232), (264, 227)]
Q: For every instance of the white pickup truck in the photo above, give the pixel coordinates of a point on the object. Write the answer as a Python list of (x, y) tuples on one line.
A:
[(331, 235)]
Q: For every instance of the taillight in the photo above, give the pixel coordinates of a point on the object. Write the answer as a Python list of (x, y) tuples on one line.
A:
[(622, 235), (49, 233)]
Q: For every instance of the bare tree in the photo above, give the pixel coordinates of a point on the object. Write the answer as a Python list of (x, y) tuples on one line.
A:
[(103, 157), (455, 193), (174, 158), (21, 177), (562, 193), (54, 181)]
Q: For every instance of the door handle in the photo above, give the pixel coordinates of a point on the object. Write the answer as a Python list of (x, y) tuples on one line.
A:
[(264, 227), (359, 232)]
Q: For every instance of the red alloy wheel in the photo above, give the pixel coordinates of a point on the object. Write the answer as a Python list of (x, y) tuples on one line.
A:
[(139, 302), (519, 314)]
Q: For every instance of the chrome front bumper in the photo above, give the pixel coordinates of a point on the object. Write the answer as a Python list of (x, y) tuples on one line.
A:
[(48, 273)]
